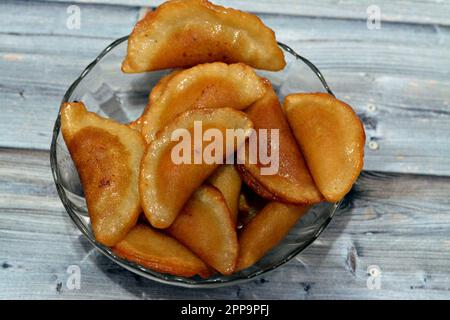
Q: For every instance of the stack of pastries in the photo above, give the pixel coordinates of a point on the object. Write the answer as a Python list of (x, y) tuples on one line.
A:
[(190, 219)]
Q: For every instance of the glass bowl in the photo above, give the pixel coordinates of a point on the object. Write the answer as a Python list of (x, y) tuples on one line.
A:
[(107, 91)]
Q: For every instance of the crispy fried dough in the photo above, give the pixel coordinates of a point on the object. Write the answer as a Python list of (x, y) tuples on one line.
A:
[(292, 182), (160, 252), (266, 230), (226, 178), (165, 186), (332, 139), (211, 85), (107, 156), (205, 226)]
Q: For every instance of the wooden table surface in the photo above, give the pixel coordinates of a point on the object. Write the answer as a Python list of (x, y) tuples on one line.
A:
[(397, 78)]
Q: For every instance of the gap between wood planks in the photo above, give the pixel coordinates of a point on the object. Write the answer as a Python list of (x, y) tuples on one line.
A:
[(427, 12)]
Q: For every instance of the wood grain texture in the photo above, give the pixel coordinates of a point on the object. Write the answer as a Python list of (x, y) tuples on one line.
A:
[(399, 222), (397, 78), (409, 11)]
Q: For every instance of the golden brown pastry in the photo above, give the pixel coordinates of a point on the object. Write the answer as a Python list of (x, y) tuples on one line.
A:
[(292, 182), (266, 230), (205, 226), (226, 178), (165, 185), (156, 92), (184, 33), (332, 139), (160, 252), (107, 156), (211, 85)]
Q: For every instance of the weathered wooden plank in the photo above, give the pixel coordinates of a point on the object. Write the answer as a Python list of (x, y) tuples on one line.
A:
[(411, 11), (33, 82), (52, 19), (395, 77), (400, 223)]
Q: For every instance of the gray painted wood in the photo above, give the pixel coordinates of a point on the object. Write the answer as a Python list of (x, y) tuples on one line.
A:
[(397, 78), (410, 11), (399, 222)]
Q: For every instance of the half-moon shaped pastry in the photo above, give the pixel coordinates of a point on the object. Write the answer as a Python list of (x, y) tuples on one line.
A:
[(211, 85), (184, 33), (226, 178), (166, 181), (107, 156), (159, 88), (332, 139), (160, 252), (156, 92), (292, 182), (205, 226), (266, 230)]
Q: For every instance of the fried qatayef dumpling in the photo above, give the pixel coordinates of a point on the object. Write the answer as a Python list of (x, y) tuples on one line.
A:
[(184, 33), (292, 182), (107, 156), (266, 230), (165, 185), (160, 252), (155, 93), (332, 139), (226, 178), (205, 226), (159, 88), (211, 85)]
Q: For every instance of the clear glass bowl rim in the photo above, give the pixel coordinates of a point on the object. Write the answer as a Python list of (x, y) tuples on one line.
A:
[(136, 268)]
